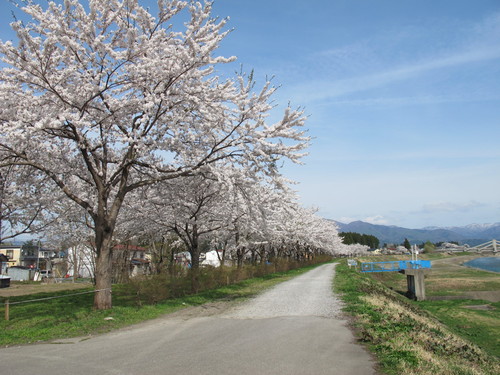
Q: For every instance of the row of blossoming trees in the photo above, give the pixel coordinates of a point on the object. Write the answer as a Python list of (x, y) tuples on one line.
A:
[(117, 121)]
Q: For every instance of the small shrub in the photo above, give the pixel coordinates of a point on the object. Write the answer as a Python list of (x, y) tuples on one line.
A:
[(151, 289)]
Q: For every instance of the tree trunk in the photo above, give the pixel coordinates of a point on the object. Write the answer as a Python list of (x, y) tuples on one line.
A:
[(195, 268), (102, 297), (240, 254), (253, 258), (171, 262), (223, 257), (262, 254), (194, 248), (103, 269)]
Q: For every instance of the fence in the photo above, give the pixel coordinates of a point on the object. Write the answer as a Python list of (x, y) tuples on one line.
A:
[(8, 303)]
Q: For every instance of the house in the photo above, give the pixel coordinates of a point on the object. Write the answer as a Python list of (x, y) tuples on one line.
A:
[(81, 261), (139, 267), (36, 256), (211, 258), (130, 259), (134, 252), (13, 252), (40, 257)]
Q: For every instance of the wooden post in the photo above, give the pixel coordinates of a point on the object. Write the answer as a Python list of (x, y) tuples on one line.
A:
[(7, 309)]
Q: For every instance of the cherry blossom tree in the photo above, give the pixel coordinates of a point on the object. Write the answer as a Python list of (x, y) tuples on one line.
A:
[(189, 207), (299, 232), (105, 99), (236, 211), (195, 208), (353, 250), (24, 202)]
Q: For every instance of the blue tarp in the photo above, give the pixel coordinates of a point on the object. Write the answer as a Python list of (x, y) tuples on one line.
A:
[(396, 266)]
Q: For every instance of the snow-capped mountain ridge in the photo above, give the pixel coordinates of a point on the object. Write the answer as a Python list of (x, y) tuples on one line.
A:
[(472, 234), (470, 227)]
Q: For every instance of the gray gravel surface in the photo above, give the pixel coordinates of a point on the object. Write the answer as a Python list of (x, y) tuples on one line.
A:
[(307, 295), (293, 329)]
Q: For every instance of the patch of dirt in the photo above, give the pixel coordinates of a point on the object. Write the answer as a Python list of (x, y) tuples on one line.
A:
[(455, 283), (492, 296), (205, 310), (20, 289), (480, 307)]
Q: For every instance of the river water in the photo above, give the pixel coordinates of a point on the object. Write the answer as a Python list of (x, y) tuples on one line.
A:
[(488, 264)]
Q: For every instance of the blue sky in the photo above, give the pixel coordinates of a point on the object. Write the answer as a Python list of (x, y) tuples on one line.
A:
[(403, 98)]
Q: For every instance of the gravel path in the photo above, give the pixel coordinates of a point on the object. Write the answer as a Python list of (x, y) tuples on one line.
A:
[(307, 295)]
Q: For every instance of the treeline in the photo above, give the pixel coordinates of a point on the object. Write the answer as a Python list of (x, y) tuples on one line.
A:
[(350, 238)]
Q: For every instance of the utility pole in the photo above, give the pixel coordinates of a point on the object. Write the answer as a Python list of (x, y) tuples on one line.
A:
[(38, 256)]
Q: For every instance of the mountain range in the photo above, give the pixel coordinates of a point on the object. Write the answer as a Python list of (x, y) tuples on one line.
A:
[(473, 234)]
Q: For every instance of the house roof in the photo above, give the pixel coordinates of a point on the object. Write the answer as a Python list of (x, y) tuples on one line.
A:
[(10, 247)]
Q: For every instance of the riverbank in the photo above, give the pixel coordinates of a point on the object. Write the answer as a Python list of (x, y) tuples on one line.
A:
[(447, 279), (431, 337)]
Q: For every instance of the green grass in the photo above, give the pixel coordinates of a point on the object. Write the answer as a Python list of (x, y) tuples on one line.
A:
[(405, 338), (482, 327), (74, 316)]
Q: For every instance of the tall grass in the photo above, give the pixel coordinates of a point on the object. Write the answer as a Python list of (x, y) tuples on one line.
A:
[(151, 289)]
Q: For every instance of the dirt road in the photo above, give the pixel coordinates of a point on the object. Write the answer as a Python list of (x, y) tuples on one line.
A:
[(21, 289), (294, 328)]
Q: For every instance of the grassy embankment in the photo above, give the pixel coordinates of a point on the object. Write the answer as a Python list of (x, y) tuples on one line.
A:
[(430, 337), (139, 301)]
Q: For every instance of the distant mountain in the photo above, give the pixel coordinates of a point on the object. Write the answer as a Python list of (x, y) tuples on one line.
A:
[(472, 230), (473, 234)]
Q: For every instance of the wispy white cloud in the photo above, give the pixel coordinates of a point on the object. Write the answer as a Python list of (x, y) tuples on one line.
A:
[(409, 166), (449, 207), (331, 89), (365, 70), (377, 219)]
